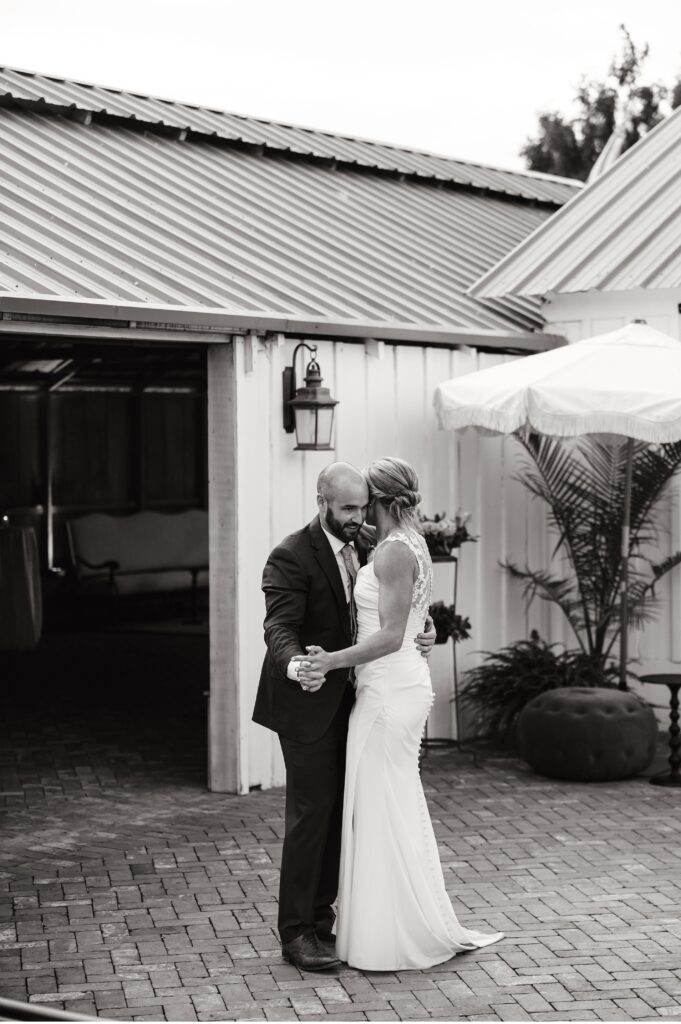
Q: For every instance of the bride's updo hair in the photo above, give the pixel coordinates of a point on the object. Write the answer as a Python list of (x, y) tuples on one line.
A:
[(394, 483)]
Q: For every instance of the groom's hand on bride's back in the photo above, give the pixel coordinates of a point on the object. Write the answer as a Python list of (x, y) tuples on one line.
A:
[(426, 640)]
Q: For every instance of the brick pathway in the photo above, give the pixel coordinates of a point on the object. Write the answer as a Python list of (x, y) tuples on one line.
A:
[(128, 891)]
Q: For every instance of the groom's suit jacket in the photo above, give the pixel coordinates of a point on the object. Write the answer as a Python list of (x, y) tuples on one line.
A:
[(305, 604)]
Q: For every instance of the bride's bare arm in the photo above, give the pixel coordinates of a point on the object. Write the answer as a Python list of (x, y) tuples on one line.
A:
[(394, 565)]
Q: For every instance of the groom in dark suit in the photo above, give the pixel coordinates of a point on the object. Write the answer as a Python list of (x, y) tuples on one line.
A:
[(308, 582)]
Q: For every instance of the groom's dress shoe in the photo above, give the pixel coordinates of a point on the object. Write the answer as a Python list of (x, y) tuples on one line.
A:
[(329, 946), (308, 954), (327, 939), (324, 934)]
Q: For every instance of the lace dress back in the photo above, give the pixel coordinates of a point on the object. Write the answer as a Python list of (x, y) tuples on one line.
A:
[(423, 584), (367, 589)]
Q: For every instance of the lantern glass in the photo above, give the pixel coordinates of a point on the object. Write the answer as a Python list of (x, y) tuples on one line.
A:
[(306, 427), (325, 426), (314, 425)]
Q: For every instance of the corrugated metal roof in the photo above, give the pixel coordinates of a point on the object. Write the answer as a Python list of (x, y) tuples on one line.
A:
[(622, 231), (60, 94), (103, 212)]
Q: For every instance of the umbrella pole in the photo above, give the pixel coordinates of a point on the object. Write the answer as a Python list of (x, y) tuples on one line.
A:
[(624, 593)]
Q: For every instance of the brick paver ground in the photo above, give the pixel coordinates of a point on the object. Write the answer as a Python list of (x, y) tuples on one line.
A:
[(129, 891)]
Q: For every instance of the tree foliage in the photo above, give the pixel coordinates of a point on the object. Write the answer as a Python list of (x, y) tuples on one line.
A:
[(570, 146)]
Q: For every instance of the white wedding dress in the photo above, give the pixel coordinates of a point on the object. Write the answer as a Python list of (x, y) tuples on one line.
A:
[(393, 909)]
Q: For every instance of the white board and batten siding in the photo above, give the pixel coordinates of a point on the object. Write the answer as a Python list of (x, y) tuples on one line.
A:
[(657, 646), (385, 408)]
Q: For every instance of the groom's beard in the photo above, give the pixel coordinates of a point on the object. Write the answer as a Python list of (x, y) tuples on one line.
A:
[(344, 531)]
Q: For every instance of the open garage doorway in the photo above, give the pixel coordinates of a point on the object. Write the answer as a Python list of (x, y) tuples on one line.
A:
[(104, 647)]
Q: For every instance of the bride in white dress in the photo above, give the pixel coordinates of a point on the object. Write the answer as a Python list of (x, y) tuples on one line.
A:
[(393, 909)]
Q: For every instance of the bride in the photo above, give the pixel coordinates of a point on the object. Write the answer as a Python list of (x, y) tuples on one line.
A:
[(393, 909)]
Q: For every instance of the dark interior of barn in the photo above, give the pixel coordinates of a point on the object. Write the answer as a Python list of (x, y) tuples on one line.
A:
[(103, 555)]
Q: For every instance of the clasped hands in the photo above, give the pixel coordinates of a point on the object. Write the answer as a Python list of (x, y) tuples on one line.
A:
[(315, 665), (313, 668)]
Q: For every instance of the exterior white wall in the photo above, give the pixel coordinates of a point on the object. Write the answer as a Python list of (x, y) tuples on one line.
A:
[(385, 394), (657, 646), (583, 314)]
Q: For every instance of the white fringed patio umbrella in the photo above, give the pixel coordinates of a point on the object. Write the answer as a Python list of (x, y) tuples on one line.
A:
[(625, 382)]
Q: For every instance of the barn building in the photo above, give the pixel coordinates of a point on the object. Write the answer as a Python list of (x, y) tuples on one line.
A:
[(159, 264)]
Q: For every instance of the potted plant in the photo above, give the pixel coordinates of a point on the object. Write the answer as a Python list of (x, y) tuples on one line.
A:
[(497, 690), (443, 533), (562, 706), (581, 485), (449, 623), (562, 710)]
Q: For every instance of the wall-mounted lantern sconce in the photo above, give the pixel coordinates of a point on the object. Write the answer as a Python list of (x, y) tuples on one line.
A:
[(308, 410)]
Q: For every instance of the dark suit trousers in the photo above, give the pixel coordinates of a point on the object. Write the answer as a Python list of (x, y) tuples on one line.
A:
[(315, 776)]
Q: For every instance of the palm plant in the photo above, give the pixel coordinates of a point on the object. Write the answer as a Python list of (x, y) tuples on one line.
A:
[(583, 487)]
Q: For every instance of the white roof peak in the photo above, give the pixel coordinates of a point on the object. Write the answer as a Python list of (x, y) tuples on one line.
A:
[(620, 232)]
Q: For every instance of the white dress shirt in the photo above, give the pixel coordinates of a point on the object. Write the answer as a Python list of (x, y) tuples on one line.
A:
[(337, 546)]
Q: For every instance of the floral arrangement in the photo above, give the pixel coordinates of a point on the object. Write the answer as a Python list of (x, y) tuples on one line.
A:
[(447, 623), (442, 533)]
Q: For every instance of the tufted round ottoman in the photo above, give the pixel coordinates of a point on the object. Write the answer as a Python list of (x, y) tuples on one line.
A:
[(587, 734)]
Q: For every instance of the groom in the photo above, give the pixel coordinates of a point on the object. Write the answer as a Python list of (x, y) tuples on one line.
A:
[(308, 582)]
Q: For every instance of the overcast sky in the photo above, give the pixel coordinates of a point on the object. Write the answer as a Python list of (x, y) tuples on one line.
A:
[(461, 78)]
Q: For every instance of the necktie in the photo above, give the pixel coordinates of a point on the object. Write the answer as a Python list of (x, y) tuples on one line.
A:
[(346, 555)]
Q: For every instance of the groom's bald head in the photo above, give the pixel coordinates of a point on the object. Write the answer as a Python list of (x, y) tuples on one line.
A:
[(342, 497), (339, 476)]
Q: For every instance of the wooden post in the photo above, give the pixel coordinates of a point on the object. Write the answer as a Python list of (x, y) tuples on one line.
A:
[(225, 768)]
